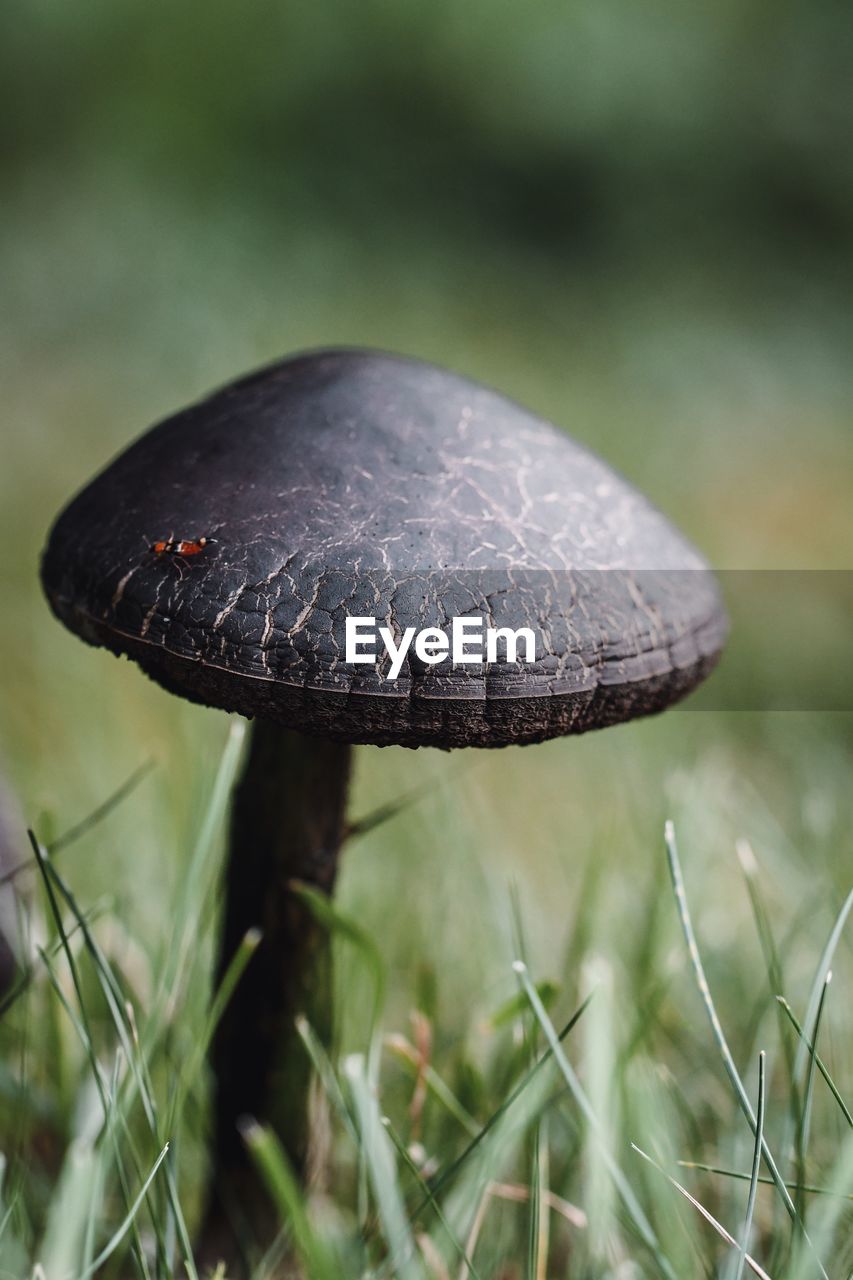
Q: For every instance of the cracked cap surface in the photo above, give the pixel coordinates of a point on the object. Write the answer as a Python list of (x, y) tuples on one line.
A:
[(353, 483)]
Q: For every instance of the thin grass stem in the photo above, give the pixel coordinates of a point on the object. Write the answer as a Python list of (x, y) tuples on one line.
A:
[(700, 1208), (756, 1167), (763, 1179), (803, 1134), (819, 1063), (434, 1205)]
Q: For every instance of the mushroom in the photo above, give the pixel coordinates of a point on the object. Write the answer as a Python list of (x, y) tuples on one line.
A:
[(225, 550)]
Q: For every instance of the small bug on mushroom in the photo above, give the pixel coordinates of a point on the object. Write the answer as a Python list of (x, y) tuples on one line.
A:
[(179, 546)]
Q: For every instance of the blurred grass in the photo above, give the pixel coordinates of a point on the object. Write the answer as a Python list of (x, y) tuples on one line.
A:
[(639, 225)]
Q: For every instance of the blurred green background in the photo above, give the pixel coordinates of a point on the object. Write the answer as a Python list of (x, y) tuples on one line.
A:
[(638, 221)]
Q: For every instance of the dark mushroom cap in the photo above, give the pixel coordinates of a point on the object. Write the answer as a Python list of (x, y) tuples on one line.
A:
[(356, 483)]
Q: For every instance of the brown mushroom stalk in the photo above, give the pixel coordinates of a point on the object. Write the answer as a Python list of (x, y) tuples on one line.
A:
[(287, 825)]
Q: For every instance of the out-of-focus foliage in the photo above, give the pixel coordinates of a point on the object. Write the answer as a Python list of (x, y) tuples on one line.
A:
[(559, 126)]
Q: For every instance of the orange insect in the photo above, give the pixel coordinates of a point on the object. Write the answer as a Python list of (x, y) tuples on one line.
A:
[(180, 546)]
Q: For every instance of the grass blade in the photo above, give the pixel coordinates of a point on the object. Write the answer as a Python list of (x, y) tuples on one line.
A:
[(225, 991), (128, 1222), (385, 812), (775, 972), (435, 1206), (623, 1187), (821, 1066), (405, 1052), (747, 1177), (540, 1217), (274, 1167), (823, 968), (121, 1013), (91, 820), (756, 1166), (803, 1132), (70, 1210), (326, 1074), (826, 1223), (102, 811), (700, 1208), (336, 922), (440, 1180), (195, 885), (379, 1160)]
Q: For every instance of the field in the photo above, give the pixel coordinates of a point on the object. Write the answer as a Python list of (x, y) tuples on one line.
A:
[(164, 229)]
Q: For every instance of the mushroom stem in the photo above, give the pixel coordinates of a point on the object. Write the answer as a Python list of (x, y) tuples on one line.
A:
[(287, 824)]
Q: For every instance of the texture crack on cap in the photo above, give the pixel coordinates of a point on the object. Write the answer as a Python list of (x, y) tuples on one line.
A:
[(349, 483)]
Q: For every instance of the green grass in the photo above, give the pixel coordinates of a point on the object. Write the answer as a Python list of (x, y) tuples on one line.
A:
[(473, 1141)]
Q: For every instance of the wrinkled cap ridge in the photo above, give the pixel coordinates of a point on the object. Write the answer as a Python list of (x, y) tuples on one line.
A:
[(352, 483)]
